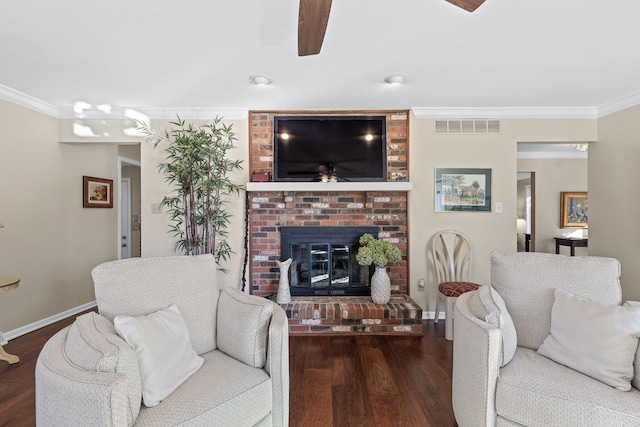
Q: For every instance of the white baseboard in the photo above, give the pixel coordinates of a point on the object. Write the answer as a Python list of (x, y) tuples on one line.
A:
[(48, 321), (432, 315)]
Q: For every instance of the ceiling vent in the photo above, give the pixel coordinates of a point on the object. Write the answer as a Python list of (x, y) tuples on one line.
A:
[(467, 126)]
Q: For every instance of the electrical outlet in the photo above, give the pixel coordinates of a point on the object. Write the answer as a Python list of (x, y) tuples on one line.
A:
[(3, 340)]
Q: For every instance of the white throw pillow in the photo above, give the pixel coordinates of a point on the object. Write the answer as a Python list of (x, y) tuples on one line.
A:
[(165, 354), (243, 324), (488, 305), (596, 339), (635, 382)]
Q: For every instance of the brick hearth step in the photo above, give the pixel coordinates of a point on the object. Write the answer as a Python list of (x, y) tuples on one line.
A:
[(353, 315)]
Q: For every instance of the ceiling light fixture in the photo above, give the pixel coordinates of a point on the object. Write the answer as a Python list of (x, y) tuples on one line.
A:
[(259, 80), (394, 79), (580, 147)]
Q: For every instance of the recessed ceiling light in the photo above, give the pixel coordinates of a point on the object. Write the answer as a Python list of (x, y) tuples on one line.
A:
[(259, 80), (394, 79)]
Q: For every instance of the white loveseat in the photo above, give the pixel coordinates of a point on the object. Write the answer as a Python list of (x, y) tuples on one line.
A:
[(88, 375), (500, 378)]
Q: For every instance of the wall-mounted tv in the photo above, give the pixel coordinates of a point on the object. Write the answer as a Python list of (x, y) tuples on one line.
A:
[(330, 148)]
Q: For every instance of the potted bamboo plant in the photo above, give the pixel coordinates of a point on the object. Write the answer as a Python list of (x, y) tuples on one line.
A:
[(197, 167)]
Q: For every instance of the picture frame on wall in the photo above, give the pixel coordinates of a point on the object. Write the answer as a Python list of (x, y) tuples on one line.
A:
[(97, 192), (463, 189), (574, 209)]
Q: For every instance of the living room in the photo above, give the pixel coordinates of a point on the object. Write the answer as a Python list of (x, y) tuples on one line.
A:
[(52, 245)]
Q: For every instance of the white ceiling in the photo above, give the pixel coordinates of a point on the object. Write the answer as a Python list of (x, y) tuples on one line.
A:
[(566, 58), (569, 58)]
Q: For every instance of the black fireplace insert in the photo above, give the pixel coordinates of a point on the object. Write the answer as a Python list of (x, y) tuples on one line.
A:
[(324, 260)]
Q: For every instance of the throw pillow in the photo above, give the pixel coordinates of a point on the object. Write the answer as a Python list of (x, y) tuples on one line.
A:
[(596, 339), (243, 323), (164, 351), (635, 382), (93, 345), (488, 305)]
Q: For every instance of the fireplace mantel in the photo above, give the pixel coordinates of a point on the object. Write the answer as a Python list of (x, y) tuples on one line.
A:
[(329, 186)]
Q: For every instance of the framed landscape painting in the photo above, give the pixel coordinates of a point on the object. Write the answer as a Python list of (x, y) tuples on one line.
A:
[(574, 209), (459, 189)]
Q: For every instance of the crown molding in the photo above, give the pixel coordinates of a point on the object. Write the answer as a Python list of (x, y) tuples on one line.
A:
[(161, 113), (619, 104), (551, 155), (506, 113), (43, 107), (28, 101)]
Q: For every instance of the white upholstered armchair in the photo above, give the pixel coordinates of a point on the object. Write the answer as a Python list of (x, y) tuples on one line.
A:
[(547, 344), (227, 362)]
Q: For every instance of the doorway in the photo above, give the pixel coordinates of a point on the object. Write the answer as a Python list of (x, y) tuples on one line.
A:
[(129, 227), (526, 219)]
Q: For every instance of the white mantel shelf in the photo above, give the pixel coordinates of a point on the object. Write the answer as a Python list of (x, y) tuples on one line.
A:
[(329, 186)]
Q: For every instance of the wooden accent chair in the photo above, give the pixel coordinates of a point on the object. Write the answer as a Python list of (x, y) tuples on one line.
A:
[(452, 262)]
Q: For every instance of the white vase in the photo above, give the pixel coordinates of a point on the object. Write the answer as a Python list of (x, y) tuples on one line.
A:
[(284, 293), (380, 286)]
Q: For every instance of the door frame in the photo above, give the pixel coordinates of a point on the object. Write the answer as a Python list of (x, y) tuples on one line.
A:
[(122, 161)]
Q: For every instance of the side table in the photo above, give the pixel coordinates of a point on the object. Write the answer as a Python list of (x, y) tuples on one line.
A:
[(572, 242), (6, 285)]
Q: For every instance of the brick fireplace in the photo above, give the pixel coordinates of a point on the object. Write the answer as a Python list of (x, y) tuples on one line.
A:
[(379, 205)]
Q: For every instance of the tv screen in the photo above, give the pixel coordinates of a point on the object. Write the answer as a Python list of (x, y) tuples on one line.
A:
[(330, 148)]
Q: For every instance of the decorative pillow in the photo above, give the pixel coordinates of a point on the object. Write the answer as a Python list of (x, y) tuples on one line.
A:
[(165, 354), (635, 382), (596, 339), (93, 345), (243, 323), (488, 305)]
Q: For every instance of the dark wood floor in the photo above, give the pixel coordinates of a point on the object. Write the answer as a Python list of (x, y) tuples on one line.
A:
[(335, 381)]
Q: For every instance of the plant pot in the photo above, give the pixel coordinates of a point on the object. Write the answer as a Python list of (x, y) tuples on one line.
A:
[(380, 286)]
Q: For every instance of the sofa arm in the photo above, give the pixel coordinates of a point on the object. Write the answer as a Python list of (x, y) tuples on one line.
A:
[(278, 365), (477, 349), (255, 331), (67, 395)]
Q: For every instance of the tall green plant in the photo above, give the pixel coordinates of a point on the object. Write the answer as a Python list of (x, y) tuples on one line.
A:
[(197, 167)]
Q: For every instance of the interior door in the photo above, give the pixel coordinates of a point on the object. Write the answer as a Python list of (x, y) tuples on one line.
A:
[(125, 218)]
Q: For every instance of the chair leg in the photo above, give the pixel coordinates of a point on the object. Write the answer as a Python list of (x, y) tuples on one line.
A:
[(448, 322), (437, 316)]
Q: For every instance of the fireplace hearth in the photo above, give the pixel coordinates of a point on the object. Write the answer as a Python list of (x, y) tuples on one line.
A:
[(324, 260)]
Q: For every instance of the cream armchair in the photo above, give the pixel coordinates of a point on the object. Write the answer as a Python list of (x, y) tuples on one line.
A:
[(502, 376), (88, 375)]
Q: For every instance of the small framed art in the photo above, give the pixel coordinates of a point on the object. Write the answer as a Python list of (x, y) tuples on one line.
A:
[(459, 189), (574, 209), (97, 192)]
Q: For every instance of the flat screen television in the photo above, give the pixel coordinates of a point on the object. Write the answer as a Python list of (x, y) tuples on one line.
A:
[(330, 148)]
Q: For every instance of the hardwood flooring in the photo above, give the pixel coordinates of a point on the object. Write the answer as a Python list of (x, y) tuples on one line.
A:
[(334, 380)]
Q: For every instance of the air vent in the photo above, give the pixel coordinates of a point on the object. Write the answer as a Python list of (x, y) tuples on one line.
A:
[(467, 126)]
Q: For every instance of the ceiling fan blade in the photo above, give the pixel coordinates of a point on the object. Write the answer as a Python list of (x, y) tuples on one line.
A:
[(469, 5), (312, 24)]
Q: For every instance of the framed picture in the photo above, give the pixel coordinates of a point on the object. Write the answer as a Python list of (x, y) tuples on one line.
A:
[(97, 192), (574, 209), (463, 190)]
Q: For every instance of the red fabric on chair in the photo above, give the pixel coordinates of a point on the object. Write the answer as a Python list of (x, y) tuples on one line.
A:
[(455, 289)]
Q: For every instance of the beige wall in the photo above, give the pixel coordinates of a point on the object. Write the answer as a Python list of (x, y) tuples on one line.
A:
[(552, 177), (487, 231), (156, 240), (47, 244), (614, 195), (49, 241)]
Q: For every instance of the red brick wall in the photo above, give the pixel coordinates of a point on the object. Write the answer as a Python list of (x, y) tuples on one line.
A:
[(270, 210)]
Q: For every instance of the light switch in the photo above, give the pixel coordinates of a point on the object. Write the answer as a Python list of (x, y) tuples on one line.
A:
[(498, 207)]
